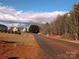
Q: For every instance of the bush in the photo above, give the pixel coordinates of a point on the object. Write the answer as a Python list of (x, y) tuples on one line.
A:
[(34, 29)]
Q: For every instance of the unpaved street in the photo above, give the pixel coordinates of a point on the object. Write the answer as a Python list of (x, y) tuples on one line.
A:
[(35, 46), (58, 49)]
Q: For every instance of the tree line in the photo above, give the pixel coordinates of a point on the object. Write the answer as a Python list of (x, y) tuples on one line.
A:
[(68, 24)]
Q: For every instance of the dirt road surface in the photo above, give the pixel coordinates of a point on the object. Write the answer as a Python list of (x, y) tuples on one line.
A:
[(58, 49), (35, 46)]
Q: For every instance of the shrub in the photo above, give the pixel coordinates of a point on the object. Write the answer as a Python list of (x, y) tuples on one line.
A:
[(34, 29)]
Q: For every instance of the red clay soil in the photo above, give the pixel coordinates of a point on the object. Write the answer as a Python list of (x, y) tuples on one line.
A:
[(26, 51)]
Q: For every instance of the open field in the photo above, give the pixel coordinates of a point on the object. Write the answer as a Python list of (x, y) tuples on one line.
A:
[(25, 39)]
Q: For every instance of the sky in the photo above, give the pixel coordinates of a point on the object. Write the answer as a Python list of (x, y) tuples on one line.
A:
[(40, 5), (39, 11)]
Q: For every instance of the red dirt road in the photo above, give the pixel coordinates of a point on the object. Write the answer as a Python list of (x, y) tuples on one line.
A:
[(34, 46)]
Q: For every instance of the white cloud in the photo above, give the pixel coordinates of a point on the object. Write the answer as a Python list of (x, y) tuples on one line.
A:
[(43, 16), (9, 13)]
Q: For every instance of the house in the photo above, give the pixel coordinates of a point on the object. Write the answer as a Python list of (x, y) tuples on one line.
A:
[(15, 30)]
